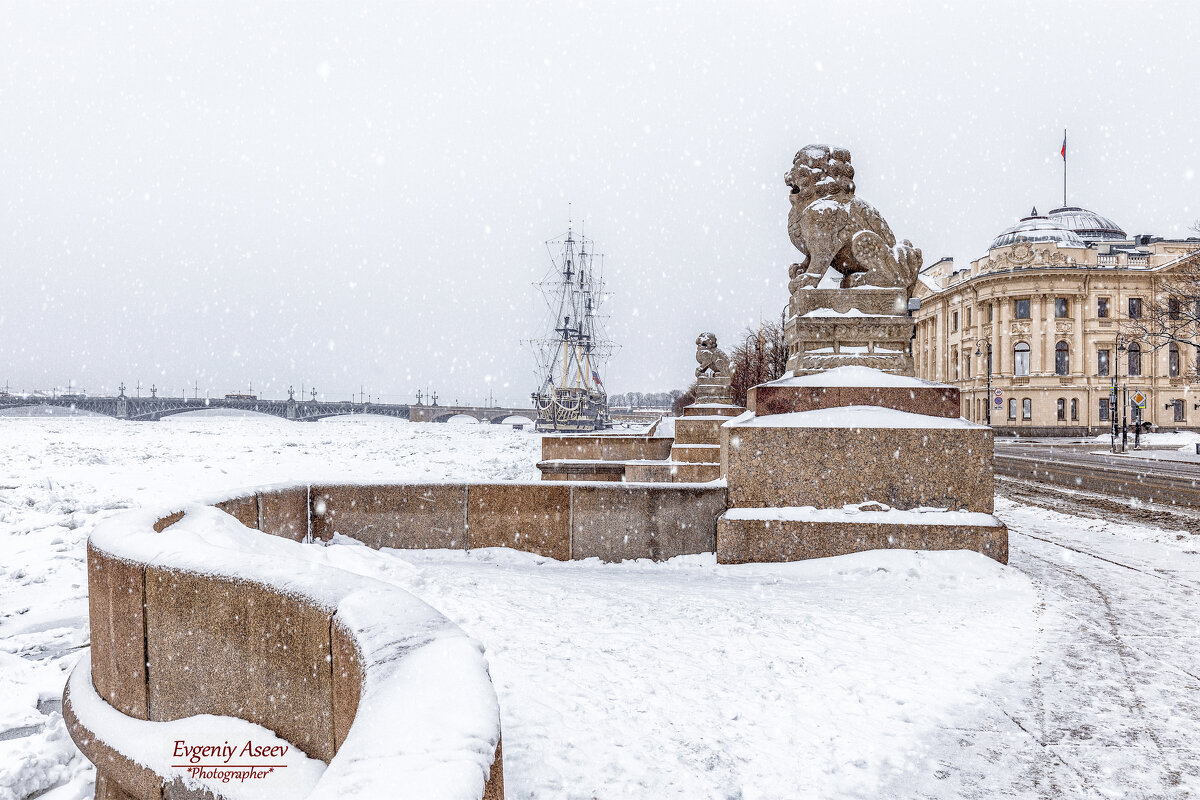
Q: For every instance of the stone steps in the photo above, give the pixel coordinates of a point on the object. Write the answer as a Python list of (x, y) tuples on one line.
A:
[(711, 410), (696, 453), (672, 472), (741, 541), (699, 430)]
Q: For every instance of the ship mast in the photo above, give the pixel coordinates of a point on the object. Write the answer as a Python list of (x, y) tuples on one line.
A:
[(571, 357)]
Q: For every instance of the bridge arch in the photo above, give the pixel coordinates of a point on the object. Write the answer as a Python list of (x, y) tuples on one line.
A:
[(345, 412), (452, 414), (267, 409)]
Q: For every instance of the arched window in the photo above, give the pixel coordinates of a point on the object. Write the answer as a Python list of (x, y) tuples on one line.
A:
[(1061, 407), (1062, 359), (1135, 360), (1173, 360), (1012, 408), (1026, 408), (1074, 409), (1021, 359)]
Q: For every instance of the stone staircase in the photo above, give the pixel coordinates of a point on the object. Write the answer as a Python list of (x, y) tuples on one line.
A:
[(696, 454)]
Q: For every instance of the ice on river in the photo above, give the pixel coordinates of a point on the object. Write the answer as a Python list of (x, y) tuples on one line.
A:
[(883, 674)]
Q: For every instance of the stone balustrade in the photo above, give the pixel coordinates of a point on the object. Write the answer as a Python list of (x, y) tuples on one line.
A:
[(194, 612)]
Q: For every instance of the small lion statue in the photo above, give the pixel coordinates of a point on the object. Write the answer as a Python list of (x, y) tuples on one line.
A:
[(712, 361), (833, 228)]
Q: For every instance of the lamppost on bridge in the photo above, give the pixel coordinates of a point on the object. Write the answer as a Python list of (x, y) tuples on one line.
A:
[(979, 352), (291, 394), (418, 397), (122, 390), (435, 398), (153, 390)]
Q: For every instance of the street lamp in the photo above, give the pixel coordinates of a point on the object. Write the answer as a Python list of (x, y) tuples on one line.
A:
[(1118, 347), (987, 406)]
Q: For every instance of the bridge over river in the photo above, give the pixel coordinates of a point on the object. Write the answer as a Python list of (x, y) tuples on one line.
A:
[(155, 408)]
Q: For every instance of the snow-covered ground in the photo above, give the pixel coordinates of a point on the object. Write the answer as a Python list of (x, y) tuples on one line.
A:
[(1071, 673)]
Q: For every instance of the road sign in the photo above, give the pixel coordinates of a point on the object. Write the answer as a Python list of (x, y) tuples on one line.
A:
[(1139, 400)]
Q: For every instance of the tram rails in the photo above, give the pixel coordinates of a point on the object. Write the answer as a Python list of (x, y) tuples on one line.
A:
[(1152, 481)]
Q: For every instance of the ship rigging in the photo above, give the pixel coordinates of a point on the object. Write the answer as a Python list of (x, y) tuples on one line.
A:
[(574, 349)]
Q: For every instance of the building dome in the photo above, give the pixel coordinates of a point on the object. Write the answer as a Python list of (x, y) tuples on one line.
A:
[(1039, 228), (1087, 225)]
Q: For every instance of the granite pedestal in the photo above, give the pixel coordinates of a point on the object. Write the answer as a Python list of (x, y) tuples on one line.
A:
[(855, 459)]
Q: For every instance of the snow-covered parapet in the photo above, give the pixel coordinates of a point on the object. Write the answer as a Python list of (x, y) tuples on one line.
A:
[(208, 633)]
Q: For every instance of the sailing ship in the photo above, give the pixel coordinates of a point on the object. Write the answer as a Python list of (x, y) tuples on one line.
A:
[(573, 349)]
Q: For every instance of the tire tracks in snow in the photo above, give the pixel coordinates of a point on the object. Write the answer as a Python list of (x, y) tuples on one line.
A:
[(1124, 650)]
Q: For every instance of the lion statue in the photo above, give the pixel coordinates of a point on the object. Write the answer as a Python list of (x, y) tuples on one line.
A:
[(834, 229), (712, 360)]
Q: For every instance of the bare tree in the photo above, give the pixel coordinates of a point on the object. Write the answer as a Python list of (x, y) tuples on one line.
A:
[(759, 357), (683, 399), (1172, 316)]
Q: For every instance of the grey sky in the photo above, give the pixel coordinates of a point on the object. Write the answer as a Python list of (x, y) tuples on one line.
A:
[(302, 192)]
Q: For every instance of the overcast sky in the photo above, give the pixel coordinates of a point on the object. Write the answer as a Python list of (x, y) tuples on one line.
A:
[(342, 195)]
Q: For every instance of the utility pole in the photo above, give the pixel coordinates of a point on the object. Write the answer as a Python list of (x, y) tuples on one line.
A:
[(1124, 417), (987, 404), (1112, 392)]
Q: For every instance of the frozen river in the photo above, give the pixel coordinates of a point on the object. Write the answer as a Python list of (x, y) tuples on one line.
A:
[(1070, 673)]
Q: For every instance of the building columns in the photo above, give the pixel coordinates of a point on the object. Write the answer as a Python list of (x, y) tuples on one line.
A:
[(1081, 363), (1037, 335), (997, 342)]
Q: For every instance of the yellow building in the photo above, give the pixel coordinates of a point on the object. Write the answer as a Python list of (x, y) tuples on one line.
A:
[(1048, 300)]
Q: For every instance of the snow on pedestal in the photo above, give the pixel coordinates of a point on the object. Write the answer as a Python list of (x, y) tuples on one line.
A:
[(855, 459)]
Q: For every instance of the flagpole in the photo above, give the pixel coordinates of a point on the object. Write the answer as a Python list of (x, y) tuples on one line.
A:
[(1064, 167)]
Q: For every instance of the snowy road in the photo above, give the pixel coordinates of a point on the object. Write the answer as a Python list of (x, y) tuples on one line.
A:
[(1071, 673), (1116, 669)]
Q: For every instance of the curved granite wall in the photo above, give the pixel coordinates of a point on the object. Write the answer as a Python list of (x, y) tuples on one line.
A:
[(193, 614)]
